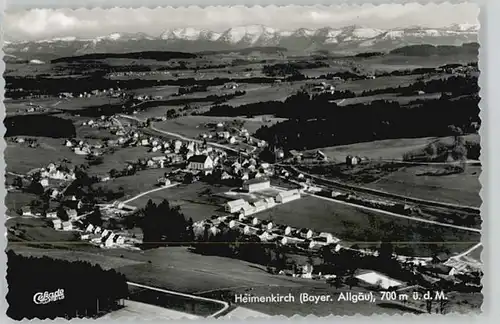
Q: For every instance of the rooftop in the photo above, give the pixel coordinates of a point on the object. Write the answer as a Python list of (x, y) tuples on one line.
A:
[(198, 158)]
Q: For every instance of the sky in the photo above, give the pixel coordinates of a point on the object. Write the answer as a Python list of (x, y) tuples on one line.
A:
[(30, 24)]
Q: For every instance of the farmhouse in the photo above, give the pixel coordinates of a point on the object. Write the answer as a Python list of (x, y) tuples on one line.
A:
[(200, 162), (256, 184), (352, 160), (287, 196)]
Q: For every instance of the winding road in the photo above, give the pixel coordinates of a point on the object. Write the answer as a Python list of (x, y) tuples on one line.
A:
[(149, 191)]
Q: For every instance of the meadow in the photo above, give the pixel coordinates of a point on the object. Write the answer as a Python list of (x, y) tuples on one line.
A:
[(356, 225)]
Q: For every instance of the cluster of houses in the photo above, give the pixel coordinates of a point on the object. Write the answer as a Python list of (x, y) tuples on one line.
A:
[(105, 122), (89, 94), (81, 147), (30, 142), (245, 169), (32, 108), (57, 172), (321, 88), (137, 74), (103, 237), (266, 231)]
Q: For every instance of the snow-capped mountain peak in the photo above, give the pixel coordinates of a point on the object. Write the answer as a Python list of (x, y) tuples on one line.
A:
[(348, 38), (247, 34)]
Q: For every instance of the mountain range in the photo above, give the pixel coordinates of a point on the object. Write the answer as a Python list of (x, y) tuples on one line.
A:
[(352, 39)]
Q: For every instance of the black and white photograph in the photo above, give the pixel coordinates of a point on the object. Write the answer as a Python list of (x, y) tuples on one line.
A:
[(235, 162)]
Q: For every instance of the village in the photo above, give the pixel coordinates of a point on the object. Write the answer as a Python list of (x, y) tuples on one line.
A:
[(197, 160)]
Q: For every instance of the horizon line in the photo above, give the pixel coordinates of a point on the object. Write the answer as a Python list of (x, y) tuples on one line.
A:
[(7, 38)]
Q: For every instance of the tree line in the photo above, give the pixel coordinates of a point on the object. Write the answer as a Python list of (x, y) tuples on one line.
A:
[(88, 290), (38, 125)]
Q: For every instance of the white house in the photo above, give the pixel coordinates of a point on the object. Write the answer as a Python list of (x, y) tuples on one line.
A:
[(352, 160), (52, 214), (26, 211), (67, 226), (200, 162), (268, 225), (120, 240), (235, 206), (232, 140), (177, 146), (305, 233), (256, 184), (110, 240), (329, 238), (44, 182), (57, 223), (90, 228), (105, 233), (286, 196), (164, 181), (97, 230), (265, 236)]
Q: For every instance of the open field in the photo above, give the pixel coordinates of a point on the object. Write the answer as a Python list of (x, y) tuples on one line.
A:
[(180, 270), (15, 200), (193, 126), (461, 189), (135, 184), (49, 150), (476, 254), (119, 158), (393, 62), (403, 100), (193, 203), (36, 232), (164, 91), (390, 149), (366, 228)]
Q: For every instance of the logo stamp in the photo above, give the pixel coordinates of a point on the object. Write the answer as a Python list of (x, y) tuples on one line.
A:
[(42, 298)]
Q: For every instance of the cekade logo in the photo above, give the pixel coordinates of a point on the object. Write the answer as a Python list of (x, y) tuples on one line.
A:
[(46, 297)]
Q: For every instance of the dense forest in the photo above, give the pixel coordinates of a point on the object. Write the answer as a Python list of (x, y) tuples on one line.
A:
[(39, 125), (74, 289), (163, 224), (22, 87), (430, 50), (148, 55), (329, 124)]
